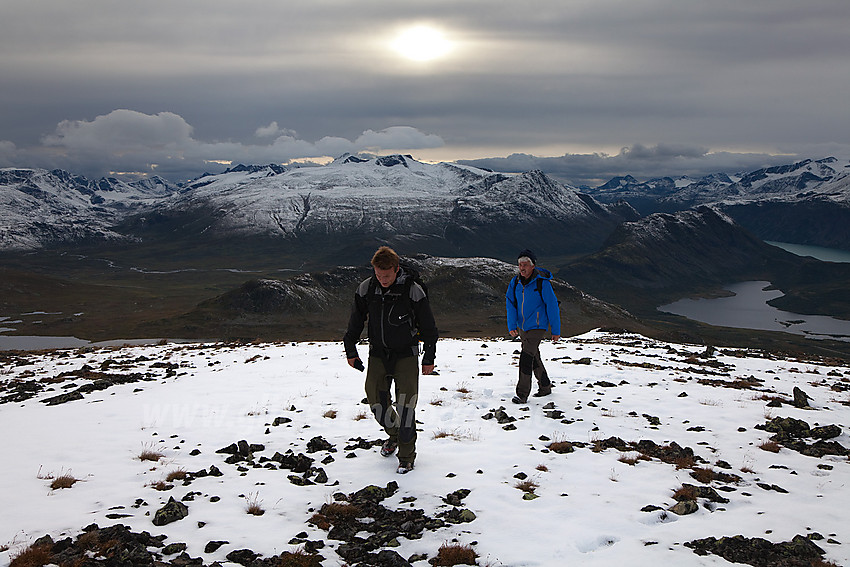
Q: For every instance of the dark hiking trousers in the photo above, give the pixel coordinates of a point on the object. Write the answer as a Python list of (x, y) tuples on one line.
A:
[(398, 419), (531, 363)]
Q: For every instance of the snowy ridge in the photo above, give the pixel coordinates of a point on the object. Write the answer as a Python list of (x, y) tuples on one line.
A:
[(827, 178), (388, 195), (39, 207)]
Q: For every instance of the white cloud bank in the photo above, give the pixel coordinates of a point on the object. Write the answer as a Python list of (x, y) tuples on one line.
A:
[(163, 144)]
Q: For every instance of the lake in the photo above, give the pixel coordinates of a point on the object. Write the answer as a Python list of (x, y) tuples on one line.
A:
[(748, 309), (817, 252)]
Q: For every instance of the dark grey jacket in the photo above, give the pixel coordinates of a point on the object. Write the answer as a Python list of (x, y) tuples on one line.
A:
[(399, 317)]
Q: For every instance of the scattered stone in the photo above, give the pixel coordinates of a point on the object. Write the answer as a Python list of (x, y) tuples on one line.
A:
[(758, 552), (213, 546), (171, 512), (801, 399), (242, 556), (350, 516), (456, 497), (500, 415), (773, 487), (173, 548), (684, 507), (319, 444)]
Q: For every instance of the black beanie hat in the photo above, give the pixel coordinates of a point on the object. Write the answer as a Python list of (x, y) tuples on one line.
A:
[(529, 254)]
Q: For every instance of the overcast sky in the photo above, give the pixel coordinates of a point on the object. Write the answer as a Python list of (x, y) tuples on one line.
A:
[(595, 87)]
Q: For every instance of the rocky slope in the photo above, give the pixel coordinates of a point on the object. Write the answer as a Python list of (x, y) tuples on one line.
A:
[(467, 297)]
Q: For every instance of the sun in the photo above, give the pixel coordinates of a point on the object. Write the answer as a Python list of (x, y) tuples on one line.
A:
[(422, 43)]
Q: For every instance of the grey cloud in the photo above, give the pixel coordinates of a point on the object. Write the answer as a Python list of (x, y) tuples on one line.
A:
[(663, 79), (639, 161)]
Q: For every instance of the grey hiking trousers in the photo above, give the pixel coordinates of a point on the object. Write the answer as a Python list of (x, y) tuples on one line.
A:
[(531, 363)]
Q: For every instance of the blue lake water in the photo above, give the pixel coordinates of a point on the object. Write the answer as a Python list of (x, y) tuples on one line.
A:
[(748, 309), (818, 252)]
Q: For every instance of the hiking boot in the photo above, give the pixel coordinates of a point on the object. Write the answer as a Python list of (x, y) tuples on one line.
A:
[(542, 392), (389, 447), (404, 467), (518, 400)]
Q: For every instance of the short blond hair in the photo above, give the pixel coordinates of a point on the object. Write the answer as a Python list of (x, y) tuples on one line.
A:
[(385, 258)]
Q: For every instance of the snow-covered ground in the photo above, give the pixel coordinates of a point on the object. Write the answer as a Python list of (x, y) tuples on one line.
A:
[(197, 399)]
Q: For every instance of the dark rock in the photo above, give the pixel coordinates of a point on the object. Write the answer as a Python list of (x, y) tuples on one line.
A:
[(173, 548), (319, 444), (825, 432), (684, 507), (456, 497), (231, 449), (171, 512), (801, 399), (389, 558), (212, 546), (242, 556), (758, 552)]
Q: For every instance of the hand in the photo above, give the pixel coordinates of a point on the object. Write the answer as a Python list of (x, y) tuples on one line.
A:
[(556, 338), (513, 333), (356, 363), (427, 368)]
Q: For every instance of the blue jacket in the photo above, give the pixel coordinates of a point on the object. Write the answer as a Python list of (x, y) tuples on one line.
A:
[(529, 308)]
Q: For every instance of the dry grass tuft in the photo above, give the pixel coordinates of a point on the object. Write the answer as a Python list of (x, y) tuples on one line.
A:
[(178, 474), (63, 481), (161, 485), (455, 554), (629, 459), (150, 455), (361, 415), (561, 447), (685, 493), (330, 414), (332, 513), (298, 558), (33, 556), (703, 474), (527, 486), (683, 463), (456, 434), (542, 468), (770, 446), (255, 505)]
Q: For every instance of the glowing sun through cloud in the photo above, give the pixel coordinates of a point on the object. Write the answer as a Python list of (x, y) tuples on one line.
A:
[(422, 43)]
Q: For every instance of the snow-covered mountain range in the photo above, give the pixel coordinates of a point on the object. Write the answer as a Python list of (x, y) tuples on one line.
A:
[(40, 207), (392, 198), (807, 202), (827, 179), (443, 208)]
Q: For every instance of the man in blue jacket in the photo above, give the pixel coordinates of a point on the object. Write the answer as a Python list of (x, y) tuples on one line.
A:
[(532, 309)]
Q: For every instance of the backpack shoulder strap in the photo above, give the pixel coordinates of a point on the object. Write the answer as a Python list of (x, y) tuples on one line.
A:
[(512, 289)]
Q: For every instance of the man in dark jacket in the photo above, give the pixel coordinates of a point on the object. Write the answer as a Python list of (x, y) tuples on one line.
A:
[(399, 316)]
